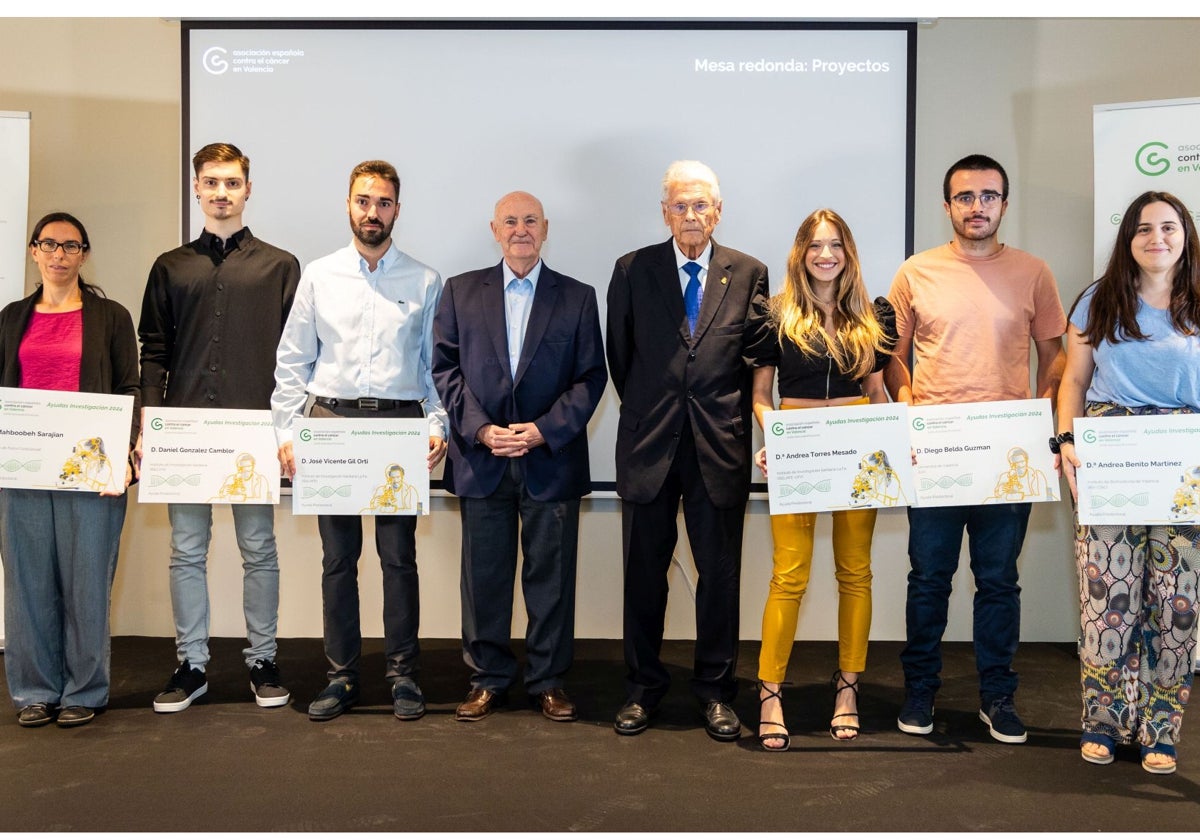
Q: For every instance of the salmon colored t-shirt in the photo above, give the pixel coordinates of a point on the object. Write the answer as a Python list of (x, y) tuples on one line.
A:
[(971, 320)]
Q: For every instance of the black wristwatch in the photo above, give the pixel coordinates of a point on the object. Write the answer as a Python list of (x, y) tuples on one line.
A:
[(1058, 440)]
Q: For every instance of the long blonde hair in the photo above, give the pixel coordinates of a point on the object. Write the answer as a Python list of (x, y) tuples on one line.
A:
[(798, 318)]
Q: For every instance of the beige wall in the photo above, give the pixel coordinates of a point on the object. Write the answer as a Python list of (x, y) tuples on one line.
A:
[(105, 137)]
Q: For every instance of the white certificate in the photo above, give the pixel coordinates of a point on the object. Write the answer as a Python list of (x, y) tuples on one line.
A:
[(983, 453), (1138, 470), (209, 455), (64, 440), (375, 467), (853, 456)]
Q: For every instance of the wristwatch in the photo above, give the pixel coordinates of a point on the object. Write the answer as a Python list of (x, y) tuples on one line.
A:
[(1058, 440)]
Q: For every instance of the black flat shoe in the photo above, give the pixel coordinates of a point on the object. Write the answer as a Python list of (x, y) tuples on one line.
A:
[(75, 716), (35, 714)]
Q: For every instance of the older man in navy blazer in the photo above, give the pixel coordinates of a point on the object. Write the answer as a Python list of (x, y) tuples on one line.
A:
[(686, 320), (519, 363)]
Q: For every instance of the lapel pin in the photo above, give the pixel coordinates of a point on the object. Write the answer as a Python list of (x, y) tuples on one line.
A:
[(724, 280)]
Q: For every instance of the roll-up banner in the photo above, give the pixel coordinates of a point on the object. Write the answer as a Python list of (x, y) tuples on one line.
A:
[(14, 220)]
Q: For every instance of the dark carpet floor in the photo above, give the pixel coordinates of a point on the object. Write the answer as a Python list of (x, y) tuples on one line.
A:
[(226, 765)]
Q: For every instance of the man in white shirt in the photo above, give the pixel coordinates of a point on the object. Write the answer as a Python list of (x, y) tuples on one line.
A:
[(359, 341)]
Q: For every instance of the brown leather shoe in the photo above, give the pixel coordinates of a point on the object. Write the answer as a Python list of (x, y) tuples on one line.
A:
[(480, 703), (556, 705)]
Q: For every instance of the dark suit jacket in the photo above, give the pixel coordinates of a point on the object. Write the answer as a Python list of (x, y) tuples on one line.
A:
[(558, 383), (667, 378)]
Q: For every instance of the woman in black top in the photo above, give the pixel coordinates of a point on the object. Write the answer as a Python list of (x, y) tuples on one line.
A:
[(833, 345)]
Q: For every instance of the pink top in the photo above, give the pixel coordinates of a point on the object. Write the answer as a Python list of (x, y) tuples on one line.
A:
[(51, 350)]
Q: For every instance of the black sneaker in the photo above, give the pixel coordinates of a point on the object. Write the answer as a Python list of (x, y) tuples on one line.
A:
[(264, 682), (1003, 723), (186, 685), (916, 716)]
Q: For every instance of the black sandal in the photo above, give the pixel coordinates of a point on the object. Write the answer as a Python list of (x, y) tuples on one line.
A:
[(772, 736), (834, 726)]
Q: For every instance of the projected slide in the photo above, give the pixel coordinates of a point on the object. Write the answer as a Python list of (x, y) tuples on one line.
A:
[(587, 119)]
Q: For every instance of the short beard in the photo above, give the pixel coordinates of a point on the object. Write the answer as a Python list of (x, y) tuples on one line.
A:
[(372, 238)]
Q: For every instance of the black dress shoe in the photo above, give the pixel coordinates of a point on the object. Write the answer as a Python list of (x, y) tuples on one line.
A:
[(721, 721), (632, 719)]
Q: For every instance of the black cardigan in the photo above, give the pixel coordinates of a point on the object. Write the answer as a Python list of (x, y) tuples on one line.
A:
[(110, 356)]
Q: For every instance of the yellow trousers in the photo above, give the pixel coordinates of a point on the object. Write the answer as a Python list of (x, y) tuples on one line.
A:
[(793, 537)]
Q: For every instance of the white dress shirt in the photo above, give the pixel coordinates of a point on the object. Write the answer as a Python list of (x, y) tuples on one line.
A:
[(682, 259), (353, 332)]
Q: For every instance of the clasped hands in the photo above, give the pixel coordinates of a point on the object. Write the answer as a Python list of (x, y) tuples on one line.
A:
[(512, 441)]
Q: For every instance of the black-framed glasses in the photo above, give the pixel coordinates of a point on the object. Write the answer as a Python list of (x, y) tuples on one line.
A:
[(49, 246), (967, 200)]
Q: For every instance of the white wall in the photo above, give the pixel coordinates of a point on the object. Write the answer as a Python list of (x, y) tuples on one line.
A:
[(106, 146)]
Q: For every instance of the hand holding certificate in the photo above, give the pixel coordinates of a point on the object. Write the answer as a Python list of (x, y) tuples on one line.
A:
[(355, 466), (983, 453), (822, 459), (208, 456), (1138, 470), (64, 440)]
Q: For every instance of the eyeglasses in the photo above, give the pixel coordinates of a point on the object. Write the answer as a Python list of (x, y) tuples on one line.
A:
[(49, 246), (679, 208), (967, 200)]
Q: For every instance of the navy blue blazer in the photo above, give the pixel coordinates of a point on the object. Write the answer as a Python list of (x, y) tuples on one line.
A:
[(558, 383)]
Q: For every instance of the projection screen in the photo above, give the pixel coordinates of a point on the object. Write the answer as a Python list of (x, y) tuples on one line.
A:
[(792, 116)]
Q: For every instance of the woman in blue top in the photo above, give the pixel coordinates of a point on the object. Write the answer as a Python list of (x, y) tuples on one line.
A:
[(1133, 348)]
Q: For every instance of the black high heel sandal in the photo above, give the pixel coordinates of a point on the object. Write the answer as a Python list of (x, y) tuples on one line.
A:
[(834, 726), (772, 736)]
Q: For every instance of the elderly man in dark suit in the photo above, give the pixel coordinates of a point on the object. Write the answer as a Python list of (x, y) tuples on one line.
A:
[(686, 319), (519, 363)]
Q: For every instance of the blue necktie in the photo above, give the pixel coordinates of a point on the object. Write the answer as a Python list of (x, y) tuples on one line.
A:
[(691, 295)]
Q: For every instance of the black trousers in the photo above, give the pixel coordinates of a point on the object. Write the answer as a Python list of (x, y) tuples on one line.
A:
[(650, 537), (341, 545)]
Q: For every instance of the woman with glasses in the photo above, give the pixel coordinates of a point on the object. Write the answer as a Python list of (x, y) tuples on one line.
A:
[(60, 547), (832, 348), (1133, 348)]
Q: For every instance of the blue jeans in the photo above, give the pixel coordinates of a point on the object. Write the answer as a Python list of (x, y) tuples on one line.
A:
[(995, 534), (60, 554), (191, 528)]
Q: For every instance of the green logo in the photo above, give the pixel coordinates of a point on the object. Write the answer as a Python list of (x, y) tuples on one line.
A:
[(918, 423), (777, 429), (305, 435), (1149, 162), (156, 424), (1089, 436)]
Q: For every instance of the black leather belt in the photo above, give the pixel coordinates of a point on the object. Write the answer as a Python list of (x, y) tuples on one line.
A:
[(364, 403)]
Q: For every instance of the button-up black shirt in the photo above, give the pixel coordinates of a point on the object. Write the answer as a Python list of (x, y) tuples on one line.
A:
[(211, 320)]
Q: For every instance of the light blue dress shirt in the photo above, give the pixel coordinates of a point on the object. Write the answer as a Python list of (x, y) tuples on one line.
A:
[(518, 301), (353, 332)]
